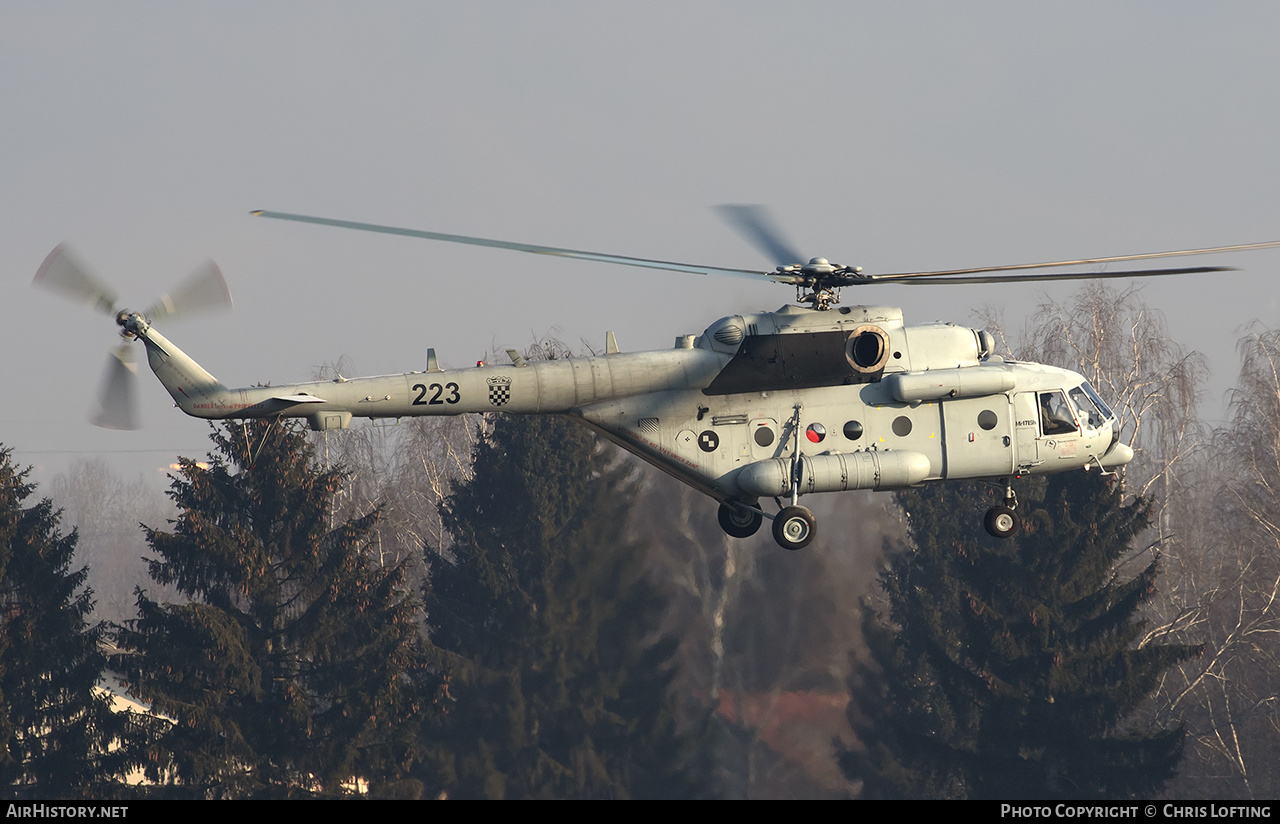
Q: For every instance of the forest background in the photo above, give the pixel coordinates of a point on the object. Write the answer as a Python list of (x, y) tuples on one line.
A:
[(743, 657)]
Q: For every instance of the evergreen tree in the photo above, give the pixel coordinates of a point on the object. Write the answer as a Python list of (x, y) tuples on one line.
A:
[(294, 666), (61, 739), (545, 622), (1012, 668)]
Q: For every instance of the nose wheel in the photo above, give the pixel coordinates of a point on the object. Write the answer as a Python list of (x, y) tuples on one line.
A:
[(1001, 521)]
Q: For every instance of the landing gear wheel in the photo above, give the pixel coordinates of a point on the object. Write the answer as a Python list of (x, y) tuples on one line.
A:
[(1001, 522), (739, 522), (794, 527)]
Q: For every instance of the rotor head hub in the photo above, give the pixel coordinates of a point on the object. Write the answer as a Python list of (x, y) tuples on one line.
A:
[(130, 323)]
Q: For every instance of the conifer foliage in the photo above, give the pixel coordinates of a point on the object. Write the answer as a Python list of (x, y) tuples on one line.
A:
[(1013, 668), (292, 670), (546, 625), (60, 738)]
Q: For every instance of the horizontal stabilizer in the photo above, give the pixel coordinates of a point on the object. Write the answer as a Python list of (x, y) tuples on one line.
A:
[(280, 403), (298, 399)]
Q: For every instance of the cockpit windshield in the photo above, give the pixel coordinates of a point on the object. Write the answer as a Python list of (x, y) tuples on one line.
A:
[(1093, 410)]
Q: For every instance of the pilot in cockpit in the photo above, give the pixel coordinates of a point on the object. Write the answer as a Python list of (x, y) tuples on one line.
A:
[(1055, 415)]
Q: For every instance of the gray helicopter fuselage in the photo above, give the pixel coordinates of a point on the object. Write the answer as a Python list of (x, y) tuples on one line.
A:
[(868, 403), (811, 398)]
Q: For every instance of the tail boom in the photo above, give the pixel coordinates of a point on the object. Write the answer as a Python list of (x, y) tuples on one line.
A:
[(558, 386)]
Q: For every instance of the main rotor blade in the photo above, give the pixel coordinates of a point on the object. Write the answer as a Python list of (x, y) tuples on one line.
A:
[(1081, 262), (757, 225), (117, 397), (204, 289), (556, 251), (63, 272), (1029, 278)]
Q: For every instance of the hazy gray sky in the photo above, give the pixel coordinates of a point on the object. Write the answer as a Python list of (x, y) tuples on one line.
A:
[(894, 136)]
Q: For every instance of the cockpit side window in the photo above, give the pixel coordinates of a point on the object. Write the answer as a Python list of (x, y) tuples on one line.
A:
[(1107, 414), (1089, 411), (1055, 414)]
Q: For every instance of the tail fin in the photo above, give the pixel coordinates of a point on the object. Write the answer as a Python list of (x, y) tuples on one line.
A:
[(185, 379)]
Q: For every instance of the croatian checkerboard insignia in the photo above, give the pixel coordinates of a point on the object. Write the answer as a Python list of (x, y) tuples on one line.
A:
[(499, 390)]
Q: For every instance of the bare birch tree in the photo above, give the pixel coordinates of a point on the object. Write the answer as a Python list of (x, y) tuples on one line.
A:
[(1230, 699), (1123, 348)]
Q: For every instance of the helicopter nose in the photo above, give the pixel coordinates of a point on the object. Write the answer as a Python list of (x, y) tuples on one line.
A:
[(1118, 455)]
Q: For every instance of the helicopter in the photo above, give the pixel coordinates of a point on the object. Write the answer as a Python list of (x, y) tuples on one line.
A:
[(813, 397)]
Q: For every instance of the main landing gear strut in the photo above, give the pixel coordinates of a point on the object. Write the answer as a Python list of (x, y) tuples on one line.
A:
[(794, 527)]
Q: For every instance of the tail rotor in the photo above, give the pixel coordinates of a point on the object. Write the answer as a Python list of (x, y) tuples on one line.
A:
[(118, 394), (64, 274)]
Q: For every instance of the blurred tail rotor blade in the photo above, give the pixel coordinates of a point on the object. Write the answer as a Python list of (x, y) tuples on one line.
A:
[(758, 226), (117, 399), (202, 291), (62, 272)]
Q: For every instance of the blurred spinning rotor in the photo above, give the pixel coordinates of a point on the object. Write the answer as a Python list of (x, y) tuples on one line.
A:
[(64, 274)]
